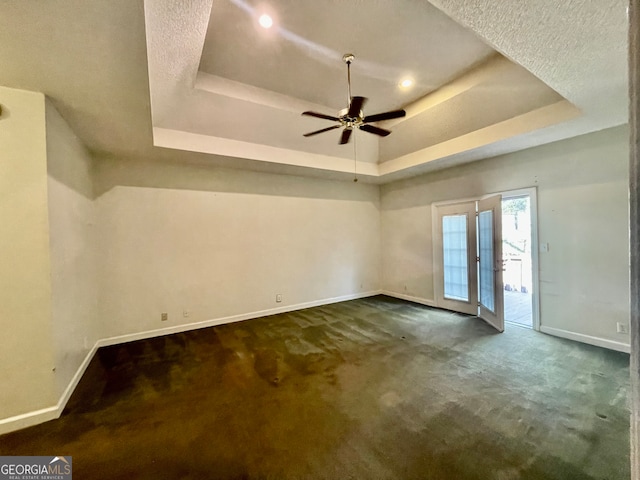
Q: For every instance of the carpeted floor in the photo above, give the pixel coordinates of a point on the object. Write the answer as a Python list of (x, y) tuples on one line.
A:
[(368, 389)]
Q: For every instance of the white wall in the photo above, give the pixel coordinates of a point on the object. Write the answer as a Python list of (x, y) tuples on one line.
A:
[(93, 254), (117, 242), (221, 243), (73, 248), (26, 359), (582, 214)]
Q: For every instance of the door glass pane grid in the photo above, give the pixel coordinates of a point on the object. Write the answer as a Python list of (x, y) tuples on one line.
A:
[(485, 248), (454, 245)]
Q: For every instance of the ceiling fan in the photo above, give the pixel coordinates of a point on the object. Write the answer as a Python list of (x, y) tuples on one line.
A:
[(352, 116)]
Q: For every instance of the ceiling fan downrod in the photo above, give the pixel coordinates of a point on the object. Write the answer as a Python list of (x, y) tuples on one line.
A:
[(348, 58)]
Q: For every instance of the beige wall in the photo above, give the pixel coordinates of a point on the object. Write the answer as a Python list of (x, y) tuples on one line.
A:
[(73, 248), (26, 359), (95, 251), (220, 242), (81, 264), (582, 215)]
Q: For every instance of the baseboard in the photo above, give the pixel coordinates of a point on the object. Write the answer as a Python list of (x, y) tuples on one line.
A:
[(556, 332), (422, 301), (30, 419), (132, 337), (579, 337), (66, 395)]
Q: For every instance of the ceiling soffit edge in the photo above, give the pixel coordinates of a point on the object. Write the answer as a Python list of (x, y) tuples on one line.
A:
[(175, 39)]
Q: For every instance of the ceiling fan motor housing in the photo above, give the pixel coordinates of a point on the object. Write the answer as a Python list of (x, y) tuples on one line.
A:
[(350, 122)]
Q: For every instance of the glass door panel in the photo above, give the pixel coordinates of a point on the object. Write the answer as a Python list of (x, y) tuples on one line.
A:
[(486, 275), (455, 257), (490, 262)]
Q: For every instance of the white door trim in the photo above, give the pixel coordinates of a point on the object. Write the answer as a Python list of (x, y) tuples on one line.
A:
[(535, 266), (535, 262)]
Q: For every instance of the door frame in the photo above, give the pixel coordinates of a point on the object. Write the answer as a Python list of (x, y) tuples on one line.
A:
[(532, 192)]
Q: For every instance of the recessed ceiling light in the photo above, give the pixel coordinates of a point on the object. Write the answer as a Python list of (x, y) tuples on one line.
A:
[(265, 21), (406, 83)]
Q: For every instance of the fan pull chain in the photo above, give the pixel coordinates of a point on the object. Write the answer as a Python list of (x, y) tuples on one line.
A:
[(355, 155)]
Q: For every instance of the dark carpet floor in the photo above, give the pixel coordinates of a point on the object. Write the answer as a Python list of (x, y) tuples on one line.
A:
[(368, 389)]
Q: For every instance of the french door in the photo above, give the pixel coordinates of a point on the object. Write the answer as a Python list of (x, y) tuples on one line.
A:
[(468, 254), (490, 290)]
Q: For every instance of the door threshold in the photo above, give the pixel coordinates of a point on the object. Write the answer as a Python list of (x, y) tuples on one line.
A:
[(528, 327)]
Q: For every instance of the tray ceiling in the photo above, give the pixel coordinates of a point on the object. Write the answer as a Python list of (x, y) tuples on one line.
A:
[(201, 81)]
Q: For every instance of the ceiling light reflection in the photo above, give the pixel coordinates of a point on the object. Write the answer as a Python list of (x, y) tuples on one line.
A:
[(320, 52), (265, 21), (406, 83)]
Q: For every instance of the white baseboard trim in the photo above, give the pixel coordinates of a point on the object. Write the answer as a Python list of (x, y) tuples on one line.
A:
[(132, 337), (422, 301), (579, 337), (66, 395), (30, 419)]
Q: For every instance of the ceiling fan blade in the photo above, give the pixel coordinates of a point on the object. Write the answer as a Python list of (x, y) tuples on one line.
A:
[(321, 131), (321, 115), (356, 106), (375, 130), (346, 134), (384, 116)]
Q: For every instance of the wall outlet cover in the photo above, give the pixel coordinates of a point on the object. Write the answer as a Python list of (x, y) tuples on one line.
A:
[(622, 327)]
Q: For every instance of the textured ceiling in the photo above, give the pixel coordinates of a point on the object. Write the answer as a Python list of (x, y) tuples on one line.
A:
[(197, 81)]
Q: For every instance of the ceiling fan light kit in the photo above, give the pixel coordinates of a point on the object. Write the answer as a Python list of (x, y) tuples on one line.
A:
[(353, 116)]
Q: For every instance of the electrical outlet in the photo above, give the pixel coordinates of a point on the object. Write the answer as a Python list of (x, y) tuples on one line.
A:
[(622, 327), (164, 317), (279, 298)]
